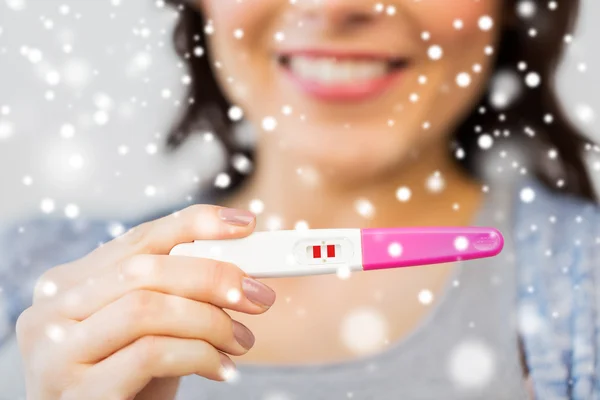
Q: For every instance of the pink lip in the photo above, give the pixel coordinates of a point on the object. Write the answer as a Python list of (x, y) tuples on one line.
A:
[(355, 91)]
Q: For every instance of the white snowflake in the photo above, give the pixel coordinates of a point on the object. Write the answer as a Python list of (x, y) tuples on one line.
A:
[(364, 207), (364, 330), (435, 52), (403, 194), (463, 79), (395, 249), (425, 296), (472, 364), (486, 23)]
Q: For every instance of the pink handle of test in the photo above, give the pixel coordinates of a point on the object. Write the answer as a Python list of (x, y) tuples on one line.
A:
[(401, 247)]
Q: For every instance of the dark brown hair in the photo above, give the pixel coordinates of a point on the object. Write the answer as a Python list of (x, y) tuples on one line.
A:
[(208, 106)]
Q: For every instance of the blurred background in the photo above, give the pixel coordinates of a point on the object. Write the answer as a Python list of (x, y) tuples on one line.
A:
[(88, 90)]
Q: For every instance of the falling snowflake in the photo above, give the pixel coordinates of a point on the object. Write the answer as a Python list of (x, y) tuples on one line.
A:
[(363, 330), (47, 206), (53, 78), (234, 295), (436, 183), (343, 272), (485, 141), (115, 229), (472, 364), (364, 207), (425, 297), (76, 161), (526, 8), (229, 374), (584, 113), (279, 36), (101, 117), (301, 225), (49, 288), (527, 195), (269, 123), (150, 191), (257, 206), (56, 333), (461, 243), (463, 79), (67, 131), (223, 180), (274, 223), (16, 5), (166, 93), (533, 79), (486, 23), (71, 211), (186, 80), (403, 194), (235, 113), (435, 52), (198, 51), (529, 320), (6, 130), (395, 250), (506, 87), (241, 163), (276, 395)]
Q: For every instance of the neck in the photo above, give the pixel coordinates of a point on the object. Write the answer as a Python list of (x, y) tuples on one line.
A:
[(292, 192)]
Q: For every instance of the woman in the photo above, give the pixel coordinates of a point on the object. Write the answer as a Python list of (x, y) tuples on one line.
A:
[(366, 114)]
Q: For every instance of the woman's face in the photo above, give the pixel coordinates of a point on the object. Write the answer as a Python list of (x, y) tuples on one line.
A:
[(353, 85)]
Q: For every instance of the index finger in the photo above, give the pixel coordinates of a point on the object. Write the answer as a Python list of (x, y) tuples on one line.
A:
[(157, 237), (196, 222)]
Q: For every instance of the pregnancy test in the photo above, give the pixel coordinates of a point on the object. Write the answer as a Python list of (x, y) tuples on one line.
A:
[(285, 253)]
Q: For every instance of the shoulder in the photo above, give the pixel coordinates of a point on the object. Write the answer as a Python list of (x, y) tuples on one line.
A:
[(554, 233), (538, 205), (557, 243)]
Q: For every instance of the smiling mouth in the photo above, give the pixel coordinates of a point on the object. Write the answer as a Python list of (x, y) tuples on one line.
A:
[(346, 77)]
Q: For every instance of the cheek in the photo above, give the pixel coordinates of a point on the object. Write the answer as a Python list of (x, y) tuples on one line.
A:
[(239, 23), (240, 30), (455, 23), (228, 21), (226, 12)]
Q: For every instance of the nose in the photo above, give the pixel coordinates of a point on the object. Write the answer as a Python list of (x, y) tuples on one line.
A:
[(338, 14)]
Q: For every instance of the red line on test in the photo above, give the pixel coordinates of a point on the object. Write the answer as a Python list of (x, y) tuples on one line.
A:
[(330, 250), (316, 251)]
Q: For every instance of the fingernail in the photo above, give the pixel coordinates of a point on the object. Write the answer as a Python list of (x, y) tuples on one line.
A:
[(228, 369), (235, 216), (258, 293), (243, 335)]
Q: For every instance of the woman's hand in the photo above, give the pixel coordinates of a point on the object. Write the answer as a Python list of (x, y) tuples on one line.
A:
[(127, 320)]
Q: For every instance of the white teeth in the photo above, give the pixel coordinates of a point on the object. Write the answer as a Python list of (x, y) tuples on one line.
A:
[(329, 71)]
